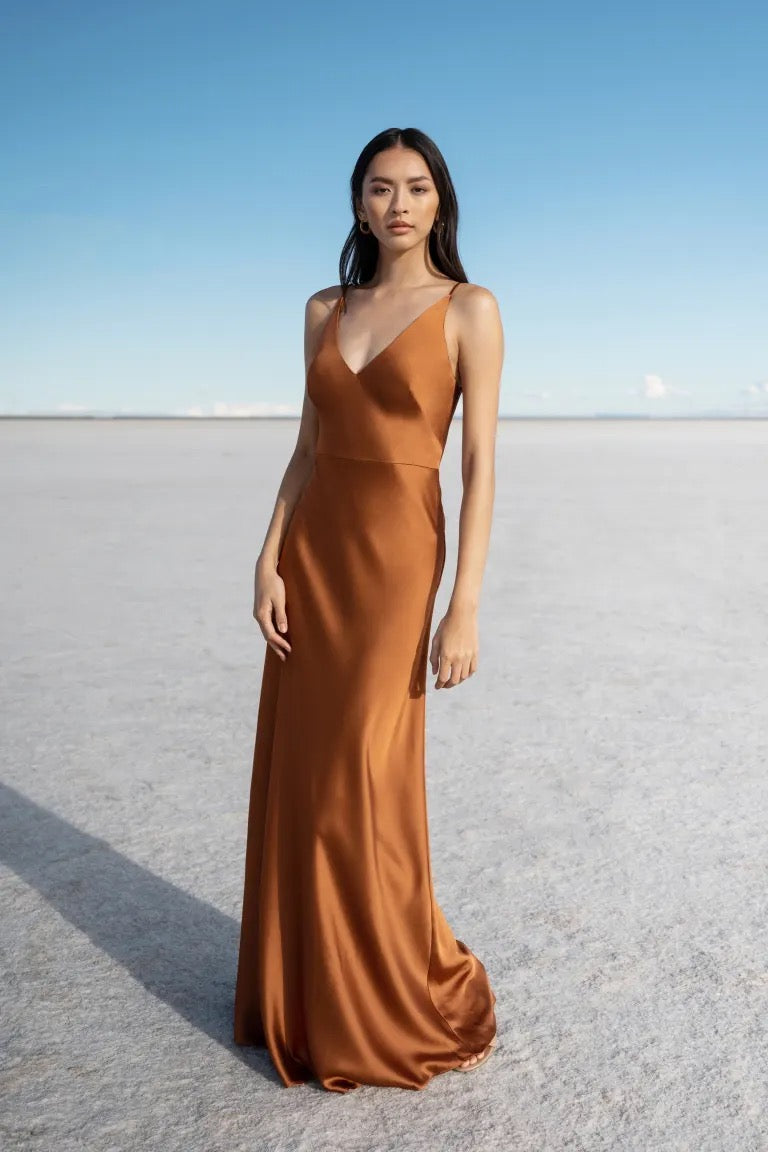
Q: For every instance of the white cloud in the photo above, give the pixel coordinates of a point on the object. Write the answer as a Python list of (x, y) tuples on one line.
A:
[(265, 408), (760, 389), (654, 388), (261, 409)]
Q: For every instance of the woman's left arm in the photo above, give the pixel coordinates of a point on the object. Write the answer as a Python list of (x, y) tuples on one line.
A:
[(480, 336)]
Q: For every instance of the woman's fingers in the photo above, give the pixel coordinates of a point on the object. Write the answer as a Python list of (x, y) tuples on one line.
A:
[(269, 610), (453, 655), (272, 636), (453, 670)]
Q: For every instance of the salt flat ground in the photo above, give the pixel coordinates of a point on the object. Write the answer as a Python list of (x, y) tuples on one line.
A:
[(598, 794)]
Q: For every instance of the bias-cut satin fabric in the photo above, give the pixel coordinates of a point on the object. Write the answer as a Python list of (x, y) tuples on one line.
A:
[(348, 970)]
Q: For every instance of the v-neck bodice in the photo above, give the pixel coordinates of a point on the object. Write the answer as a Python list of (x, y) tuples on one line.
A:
[(339, 309), (398, 407)]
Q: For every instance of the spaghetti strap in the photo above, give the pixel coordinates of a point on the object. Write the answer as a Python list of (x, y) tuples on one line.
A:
[(341, 302)]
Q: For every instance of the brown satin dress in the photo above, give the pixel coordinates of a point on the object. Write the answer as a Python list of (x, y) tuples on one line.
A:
[(348, 971)]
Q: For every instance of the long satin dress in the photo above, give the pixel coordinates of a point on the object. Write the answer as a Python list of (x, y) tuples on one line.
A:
[(348, 971)]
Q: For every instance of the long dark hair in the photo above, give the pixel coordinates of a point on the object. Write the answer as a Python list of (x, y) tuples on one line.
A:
[(360, 253)]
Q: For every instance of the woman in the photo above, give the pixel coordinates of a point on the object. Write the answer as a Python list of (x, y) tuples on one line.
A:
[(348, 970)]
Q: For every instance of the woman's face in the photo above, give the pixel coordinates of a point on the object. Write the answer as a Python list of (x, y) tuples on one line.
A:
[(398, 187)]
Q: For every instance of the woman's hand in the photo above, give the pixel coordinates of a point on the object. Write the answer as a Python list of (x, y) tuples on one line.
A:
[(454, 647), (269, 596)]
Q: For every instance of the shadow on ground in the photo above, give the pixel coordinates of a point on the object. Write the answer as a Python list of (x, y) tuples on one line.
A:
[(179, 948)]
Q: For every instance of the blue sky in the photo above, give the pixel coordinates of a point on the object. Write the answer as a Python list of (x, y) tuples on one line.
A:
[(175, 184)]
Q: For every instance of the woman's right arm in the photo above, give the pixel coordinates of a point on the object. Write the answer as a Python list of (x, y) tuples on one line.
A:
[(269, 590)]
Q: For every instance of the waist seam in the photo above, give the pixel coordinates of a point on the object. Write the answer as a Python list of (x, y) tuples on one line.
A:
[(372, 460)]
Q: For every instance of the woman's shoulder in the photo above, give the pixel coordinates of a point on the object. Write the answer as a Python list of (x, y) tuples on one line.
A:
[(323, 299), (475, 297), (476, 312)]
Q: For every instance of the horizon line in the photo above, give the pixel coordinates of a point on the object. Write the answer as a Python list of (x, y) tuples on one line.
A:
[(711, 415)]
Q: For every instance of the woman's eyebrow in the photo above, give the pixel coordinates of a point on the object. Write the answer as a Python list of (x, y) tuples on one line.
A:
[(389, 180)]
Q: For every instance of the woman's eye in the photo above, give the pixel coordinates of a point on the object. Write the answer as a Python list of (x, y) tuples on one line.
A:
[(381, 188)]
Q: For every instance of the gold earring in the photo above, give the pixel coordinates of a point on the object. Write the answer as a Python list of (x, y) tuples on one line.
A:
[(364, 231)]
